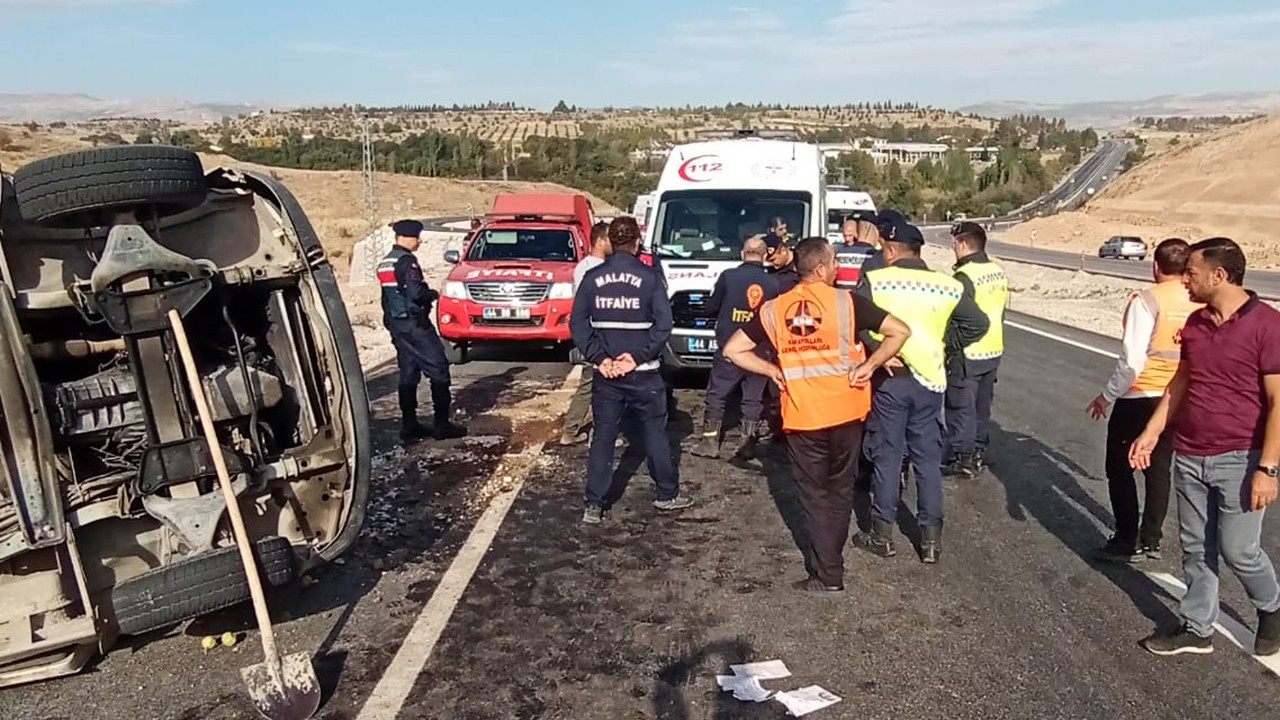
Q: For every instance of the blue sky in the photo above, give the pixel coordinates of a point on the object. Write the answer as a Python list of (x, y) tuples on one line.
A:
[(595, 53)]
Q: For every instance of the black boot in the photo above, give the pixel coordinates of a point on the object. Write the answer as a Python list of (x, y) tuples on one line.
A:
[(979, 460), (751, 434), (709, 446), (877, 542), (440, 404), (961, 466), (410, 429), (930, 544)]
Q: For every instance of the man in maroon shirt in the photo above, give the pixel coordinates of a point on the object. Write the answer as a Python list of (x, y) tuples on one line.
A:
[(1224, 404)]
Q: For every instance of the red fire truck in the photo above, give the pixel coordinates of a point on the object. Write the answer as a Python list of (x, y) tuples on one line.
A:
[(514, 278)]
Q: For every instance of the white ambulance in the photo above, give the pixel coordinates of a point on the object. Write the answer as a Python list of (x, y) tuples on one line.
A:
[(844, 204), (712, 195)]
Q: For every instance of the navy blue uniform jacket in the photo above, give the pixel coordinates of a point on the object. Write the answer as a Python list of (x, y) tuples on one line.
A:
[(621, 307), (734, 301)]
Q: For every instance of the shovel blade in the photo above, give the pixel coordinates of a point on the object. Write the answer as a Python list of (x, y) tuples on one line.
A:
[(292, 695)]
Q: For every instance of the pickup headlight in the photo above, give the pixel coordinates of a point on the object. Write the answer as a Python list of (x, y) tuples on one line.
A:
[(455, 290), (561, 291)]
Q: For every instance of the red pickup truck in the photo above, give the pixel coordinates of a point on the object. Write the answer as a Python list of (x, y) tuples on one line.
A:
[(514, 278)]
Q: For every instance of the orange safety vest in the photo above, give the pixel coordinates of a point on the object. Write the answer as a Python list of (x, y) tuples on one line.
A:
[(812, 329), (1169, 304)]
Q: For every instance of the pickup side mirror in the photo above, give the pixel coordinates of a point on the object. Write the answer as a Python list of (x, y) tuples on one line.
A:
[(453, 257)]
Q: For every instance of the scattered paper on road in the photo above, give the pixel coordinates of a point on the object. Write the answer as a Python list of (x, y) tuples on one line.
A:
[(768, 670), (744, 688), (806, 700)]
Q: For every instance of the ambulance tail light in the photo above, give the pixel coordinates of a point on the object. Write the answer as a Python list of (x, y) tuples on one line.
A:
[(455, 291)]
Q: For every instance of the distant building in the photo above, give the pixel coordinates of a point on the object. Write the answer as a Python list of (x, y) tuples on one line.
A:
[(655, 151), (884, 152)]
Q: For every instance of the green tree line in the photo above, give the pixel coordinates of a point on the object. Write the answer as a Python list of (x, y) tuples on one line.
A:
[(951, 185), (598, 163)]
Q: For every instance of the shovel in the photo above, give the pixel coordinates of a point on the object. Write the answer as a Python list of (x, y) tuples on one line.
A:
[(281, 688)]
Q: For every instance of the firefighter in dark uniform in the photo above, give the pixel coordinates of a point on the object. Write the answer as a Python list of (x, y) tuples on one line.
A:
[(782, 262), (737, 295), (406, 311), (620, 322)]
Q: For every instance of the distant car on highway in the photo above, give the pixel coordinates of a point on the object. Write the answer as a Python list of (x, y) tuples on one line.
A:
[(1123, 247)]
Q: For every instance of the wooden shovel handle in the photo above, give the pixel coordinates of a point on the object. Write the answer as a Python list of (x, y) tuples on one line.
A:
[(256, 592)]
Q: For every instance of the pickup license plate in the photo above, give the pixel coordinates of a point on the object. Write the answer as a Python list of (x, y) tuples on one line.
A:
[(702, 345), (504, 313)]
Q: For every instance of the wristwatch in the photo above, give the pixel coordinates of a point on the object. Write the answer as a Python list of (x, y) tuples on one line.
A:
[(1270, 470)]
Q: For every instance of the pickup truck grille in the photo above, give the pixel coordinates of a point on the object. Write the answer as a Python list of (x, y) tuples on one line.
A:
[(508, 293), (689, 310), (535, 321)]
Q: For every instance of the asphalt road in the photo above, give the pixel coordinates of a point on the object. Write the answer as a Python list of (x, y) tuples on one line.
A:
[(423, 504), (633, 619)]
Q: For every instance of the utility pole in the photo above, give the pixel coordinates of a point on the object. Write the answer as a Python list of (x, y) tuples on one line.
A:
[(367, 176)]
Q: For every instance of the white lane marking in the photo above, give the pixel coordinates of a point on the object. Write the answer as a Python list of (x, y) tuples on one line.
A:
[(1238, 634), (393, 689), (1061, 339)]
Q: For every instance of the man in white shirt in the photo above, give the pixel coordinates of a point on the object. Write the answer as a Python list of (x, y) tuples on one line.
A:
[(1153, 323), (579, 416)]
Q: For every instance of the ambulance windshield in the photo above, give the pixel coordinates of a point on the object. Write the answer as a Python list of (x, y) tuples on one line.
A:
[(712, 224)]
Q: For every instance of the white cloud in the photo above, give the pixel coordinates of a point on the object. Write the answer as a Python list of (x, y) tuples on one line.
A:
[(896, 17), (975, 49), (1030, 50)]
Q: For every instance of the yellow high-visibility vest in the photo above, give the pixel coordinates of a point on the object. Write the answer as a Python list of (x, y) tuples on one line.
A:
[(924, 300), (991, 293)]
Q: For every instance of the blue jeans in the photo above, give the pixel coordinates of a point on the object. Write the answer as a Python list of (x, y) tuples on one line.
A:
[(1214, 497)]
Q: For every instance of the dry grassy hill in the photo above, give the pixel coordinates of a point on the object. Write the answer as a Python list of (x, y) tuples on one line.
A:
[(333, 200), (1222, 183), (514, 126)]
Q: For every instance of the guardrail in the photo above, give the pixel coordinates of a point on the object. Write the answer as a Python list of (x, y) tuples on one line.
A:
[(1265, 283)]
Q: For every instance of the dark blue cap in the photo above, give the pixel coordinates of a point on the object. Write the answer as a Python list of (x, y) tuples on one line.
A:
[(773, 242), (903, 232), (407, 228)]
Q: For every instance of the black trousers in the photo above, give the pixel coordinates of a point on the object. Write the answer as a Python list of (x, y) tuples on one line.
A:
[(644, 394), (826, 466), (420, 352), (1129, 418), (968, 413), (724, 378)]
